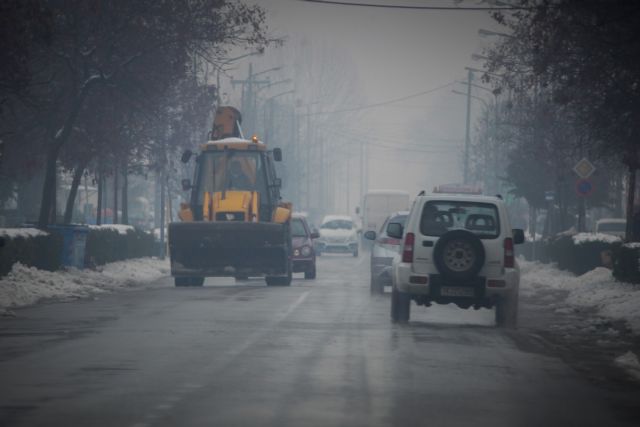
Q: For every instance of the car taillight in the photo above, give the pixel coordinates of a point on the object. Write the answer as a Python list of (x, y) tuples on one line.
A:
[(509, 257), (407, 250), (390, 241)]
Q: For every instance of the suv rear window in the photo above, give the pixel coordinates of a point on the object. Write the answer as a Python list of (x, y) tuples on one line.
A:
[(438, 217)]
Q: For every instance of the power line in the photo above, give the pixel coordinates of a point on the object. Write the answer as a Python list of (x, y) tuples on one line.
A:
[(380, 104), (398, 6)]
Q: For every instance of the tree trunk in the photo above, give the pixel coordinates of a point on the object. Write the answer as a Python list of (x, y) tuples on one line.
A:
[(53, 191), (125, 192), (48, 187), (56, 143), (115, 192), (71, 199), (100, 190), (631, 193)]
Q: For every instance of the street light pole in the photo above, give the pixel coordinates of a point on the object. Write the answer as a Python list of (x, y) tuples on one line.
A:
[(228, 61), (467, 141)]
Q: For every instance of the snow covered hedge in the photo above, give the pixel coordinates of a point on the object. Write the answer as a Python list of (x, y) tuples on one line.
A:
[(42, 250), (582, 252), (31, 247), (110, 243), (626, 267)]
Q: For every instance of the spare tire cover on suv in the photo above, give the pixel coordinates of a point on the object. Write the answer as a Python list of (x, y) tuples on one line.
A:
[(458, 255)]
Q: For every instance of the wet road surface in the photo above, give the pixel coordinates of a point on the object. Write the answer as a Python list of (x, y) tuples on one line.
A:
[(318, 353)]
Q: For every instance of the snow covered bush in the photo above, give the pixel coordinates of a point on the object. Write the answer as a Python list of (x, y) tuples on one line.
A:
[(30, 247), (580, 253), (626, 262), (115, 243)]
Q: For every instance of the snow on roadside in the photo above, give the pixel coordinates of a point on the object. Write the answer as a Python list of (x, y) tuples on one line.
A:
[(26, 232), (630, 363), (120, 228), (581, 238), (596, 289), (27, 285)]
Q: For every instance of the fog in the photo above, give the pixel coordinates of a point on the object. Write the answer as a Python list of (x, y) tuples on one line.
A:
[(387, 54)]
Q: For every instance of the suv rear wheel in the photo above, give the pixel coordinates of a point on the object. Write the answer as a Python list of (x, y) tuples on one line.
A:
[(400, 306), (506, 312), (375, 287)]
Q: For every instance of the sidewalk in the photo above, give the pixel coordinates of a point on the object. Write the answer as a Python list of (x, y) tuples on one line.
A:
[(591, 321)]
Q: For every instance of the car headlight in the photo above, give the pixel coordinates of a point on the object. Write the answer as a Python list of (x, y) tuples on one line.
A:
[(305, 251), (296, 252)]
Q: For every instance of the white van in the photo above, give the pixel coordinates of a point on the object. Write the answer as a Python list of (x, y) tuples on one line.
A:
[(379, 204)]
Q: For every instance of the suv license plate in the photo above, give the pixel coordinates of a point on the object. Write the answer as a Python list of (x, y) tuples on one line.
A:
[(456, 291)]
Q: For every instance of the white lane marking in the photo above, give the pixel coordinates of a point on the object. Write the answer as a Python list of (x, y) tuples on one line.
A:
[(293, 306), (256, 335), (189, 387)]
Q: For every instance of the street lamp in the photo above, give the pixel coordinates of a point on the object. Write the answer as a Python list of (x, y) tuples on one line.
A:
[(486, 33), (457, 92), (266, 71), (220, 67), (268, 121)]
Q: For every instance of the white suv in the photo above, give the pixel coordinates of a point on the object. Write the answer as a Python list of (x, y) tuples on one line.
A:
[(457, 249)]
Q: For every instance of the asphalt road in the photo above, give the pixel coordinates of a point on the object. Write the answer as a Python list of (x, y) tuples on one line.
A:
[(318, 353)]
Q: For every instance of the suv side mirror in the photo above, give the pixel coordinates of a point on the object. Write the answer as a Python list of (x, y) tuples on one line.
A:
[(370, 235), (315, 235), (277, 154), (518, 236), (186, 156), (395, 230), (186, 184)]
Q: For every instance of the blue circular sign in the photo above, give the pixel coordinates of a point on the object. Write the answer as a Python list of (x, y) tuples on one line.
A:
[(584, 187)]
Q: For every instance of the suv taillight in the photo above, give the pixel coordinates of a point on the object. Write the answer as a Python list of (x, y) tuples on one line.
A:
[(509, 256), (390, 241), (407, 250)]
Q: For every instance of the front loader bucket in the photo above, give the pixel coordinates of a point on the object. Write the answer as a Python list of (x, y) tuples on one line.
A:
[(206, 249)]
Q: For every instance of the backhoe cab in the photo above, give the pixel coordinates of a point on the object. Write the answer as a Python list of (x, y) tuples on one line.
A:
[(235, 224)]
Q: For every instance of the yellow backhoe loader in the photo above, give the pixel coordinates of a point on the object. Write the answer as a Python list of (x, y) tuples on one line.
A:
[(235, 223)]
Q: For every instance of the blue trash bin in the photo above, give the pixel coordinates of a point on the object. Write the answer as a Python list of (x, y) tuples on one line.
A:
[(74, 241)]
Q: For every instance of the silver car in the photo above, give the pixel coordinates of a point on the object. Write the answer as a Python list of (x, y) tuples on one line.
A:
[(382, 252)]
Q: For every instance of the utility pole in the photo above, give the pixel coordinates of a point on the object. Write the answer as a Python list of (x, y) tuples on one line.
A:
[(308, 159), (467, 141), (248, 95)]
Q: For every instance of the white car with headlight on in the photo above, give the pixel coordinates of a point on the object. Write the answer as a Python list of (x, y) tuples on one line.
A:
[(338, 234)]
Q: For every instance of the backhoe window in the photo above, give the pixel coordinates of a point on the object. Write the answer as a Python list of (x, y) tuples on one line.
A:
[(230, 171)]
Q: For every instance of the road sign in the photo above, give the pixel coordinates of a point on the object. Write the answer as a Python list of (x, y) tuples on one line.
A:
[(584, 168), (584, 187), (549, 196)]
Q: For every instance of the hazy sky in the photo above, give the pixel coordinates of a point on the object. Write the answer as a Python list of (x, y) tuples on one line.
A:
[(396, 53)]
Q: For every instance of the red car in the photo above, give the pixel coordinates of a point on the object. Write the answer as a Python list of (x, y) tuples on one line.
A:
[(304, 257)]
